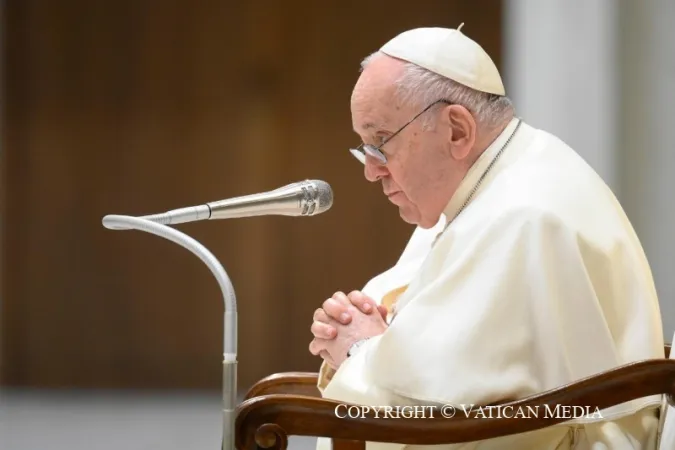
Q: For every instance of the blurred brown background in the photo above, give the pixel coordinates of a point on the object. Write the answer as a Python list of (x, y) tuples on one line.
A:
[(135, 107)]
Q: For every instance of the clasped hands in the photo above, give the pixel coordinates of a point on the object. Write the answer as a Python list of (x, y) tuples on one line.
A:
[(341, 322)]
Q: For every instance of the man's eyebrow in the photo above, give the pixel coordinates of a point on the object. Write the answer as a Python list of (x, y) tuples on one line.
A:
[(365, 128), (370, 126)]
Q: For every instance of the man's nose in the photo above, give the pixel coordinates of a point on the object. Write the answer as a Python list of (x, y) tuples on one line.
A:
[(374, 172)]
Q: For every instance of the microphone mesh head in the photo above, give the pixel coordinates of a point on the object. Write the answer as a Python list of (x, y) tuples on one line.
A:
[(324, 196)]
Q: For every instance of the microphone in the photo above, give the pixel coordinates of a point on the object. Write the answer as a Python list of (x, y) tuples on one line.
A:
[(304, 198)]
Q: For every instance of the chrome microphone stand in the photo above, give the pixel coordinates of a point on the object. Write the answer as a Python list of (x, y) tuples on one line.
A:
[(117, 222)]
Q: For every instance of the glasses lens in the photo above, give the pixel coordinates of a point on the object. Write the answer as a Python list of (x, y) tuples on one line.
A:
[(374, 153), (358, 155)]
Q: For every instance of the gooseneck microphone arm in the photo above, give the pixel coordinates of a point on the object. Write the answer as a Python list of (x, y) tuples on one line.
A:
[(306, 198), (117, 222)]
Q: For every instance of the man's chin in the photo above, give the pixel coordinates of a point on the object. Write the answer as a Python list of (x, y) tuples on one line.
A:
[(413, 217), (409, 215)]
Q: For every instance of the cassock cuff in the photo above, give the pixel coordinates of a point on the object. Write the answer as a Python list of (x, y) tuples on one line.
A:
[(355, 382), (326, 374)]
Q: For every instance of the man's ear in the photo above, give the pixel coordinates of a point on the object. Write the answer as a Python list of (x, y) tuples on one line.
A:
[(462, 133)]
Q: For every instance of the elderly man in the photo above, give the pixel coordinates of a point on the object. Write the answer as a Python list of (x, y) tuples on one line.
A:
[(524, 273)]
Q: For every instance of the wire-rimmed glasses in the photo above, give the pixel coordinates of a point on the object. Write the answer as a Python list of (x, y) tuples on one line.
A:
[(364, 150)]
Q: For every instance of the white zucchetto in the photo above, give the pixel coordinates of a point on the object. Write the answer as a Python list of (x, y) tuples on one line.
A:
[(450, 53)]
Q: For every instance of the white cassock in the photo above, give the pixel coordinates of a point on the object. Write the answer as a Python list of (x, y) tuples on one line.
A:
[(538, 282)]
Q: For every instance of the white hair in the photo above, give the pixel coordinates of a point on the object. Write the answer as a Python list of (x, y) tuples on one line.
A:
[(420, 87)]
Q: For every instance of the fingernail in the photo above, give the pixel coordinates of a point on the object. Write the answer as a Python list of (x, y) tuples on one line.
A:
[(367, 307), (344, 317)]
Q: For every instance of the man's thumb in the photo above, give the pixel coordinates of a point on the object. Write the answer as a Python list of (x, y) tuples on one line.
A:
[(383, 311)]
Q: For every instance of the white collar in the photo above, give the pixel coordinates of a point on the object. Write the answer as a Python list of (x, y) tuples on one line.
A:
[(476, 171)]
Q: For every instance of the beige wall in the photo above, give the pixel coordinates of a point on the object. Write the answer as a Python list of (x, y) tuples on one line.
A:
[(135, 107)]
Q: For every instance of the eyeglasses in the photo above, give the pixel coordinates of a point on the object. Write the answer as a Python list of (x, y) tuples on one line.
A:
[(362, 150)]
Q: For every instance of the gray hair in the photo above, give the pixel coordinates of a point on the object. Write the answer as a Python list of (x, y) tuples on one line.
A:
[(420, 87)]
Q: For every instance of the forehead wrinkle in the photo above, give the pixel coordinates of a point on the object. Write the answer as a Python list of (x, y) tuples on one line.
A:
[(365, 116), (371, 112)]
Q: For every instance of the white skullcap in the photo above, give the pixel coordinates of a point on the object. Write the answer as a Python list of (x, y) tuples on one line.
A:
[(449, 53)]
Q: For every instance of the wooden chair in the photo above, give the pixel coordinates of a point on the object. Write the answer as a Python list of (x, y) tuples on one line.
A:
[(290, 404)]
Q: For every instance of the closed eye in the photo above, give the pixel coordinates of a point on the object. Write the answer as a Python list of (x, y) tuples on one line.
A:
[(380, 138)]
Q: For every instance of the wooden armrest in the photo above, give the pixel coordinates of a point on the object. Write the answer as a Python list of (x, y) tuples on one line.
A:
[(267, 420), (298, 383)]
